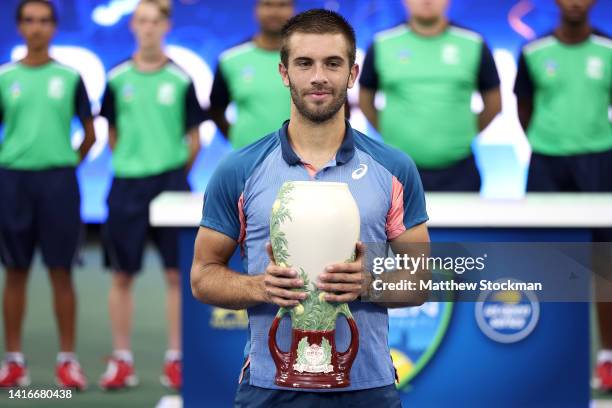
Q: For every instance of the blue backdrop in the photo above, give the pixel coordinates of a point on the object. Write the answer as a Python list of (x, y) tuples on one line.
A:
[(93, 36)]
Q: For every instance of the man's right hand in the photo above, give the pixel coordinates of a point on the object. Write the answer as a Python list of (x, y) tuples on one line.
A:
[(279, 282)]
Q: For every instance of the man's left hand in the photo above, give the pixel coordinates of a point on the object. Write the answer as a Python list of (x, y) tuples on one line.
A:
[(342, 282)]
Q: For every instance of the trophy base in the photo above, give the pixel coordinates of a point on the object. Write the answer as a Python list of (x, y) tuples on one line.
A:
[(313, 381)]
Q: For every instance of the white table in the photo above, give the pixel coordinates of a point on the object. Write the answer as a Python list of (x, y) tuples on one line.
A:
[(469, 210)]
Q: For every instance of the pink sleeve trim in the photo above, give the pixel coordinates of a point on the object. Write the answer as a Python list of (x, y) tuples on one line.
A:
[(242, 218), (395, 217)]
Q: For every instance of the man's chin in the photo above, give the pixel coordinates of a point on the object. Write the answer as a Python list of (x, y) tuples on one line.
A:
[(575, 18), (272, 31)]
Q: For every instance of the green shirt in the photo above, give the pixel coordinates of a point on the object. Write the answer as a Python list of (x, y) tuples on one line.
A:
[(152, 112), (248, 76), (570, 86), (428, 84), (37, 105)]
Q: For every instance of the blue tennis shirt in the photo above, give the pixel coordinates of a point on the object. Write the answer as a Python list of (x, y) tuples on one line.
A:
[(238, 201)]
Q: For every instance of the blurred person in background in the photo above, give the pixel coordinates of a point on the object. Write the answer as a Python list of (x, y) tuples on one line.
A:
[(428, 69), (40, 204), (153, 116), (563, 87), (247, 75)]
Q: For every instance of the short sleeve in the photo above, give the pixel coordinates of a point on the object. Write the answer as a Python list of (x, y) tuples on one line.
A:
[(488, 78), (108, 109), (222, 200), (369, 76), (82, 106), (407, 200), (523, 86), (194, 114), (219, 94)]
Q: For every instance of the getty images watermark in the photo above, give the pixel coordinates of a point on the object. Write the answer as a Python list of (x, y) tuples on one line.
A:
[(458, 265), (462, 271)]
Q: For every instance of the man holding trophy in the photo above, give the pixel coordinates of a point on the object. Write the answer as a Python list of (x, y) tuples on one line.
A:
[(311, 192)]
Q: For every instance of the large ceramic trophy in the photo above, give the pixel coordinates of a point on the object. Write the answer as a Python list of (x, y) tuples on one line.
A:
[(313, 224)]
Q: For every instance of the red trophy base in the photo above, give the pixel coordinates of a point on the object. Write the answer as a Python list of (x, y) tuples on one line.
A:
[(313, 361)]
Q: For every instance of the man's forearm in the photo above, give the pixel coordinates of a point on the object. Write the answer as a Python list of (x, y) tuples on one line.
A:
[(194, 147), (218, 116), (492, 106), (368, 107), (485, 118), (88, 140), (220, 286)]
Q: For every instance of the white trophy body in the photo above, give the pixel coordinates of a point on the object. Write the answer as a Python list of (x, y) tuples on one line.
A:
[(324, 226)]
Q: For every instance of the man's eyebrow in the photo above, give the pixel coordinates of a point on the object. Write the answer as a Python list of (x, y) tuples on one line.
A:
[(331, 57)]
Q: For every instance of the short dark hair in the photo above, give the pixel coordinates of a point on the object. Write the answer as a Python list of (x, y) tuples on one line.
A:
[(164, 6), (318, 21), (23, 3)]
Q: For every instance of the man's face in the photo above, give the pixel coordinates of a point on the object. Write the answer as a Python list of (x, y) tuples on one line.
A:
[(273, 14), (427, 10), (36, 25), (149, 25), (575, 11), (318, 74)]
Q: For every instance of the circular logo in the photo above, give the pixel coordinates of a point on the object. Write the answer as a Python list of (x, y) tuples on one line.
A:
[(507, 316), (414, 336)]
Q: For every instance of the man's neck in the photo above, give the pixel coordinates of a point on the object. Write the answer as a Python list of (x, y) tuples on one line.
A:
[(316, 143), (36, 57), (573, 33), (149, 59), (428, 29), (267, 41)]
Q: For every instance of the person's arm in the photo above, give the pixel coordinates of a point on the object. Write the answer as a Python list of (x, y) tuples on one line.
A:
[(525, 111), (194, 116), (108, 110), (222, 228), (214, 283), (345, 282), (219, 100), (367, 106), (89, 140), (413, 242), (368, 84), (492, 106), (488, 86), (82, 109), (193, 141), (404, 225), (524, 90), (112, 137)]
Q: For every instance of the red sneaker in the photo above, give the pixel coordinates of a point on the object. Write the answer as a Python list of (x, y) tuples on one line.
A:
[(603, 374), (69, 375), (119, 374), (14, 374), (172, 377)]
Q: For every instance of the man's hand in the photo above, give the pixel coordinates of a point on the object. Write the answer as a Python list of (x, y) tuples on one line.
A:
[(342, 282), (279, 282)]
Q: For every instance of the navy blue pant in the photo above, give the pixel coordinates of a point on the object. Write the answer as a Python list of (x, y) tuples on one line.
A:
[(127, 226), (587, 173), (39, 208), (591, 172), (461, 176), (249, 396)]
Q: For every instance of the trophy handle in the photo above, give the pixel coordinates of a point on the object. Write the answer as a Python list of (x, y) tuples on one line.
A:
[(345, 360), (280, 358)]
